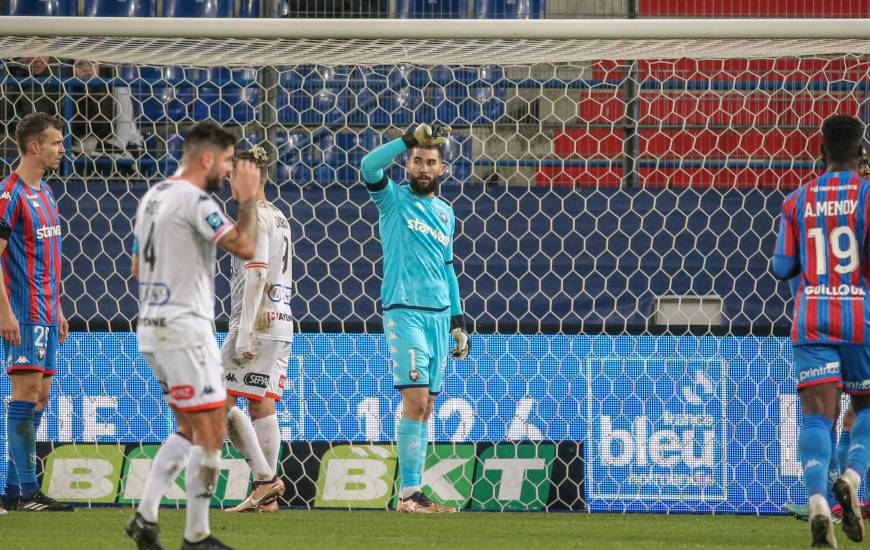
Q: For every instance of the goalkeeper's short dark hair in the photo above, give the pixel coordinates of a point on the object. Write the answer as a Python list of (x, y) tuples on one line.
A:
[(843, 138), (207, 133)]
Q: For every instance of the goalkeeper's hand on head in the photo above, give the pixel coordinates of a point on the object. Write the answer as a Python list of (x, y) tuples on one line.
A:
[(426, 136), (460, 336)]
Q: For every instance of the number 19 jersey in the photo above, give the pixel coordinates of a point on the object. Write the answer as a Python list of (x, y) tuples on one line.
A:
[(824, 227), (174, 238)]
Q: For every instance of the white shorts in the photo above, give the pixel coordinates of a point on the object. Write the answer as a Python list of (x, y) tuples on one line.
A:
[(262, 376), (191, 379)]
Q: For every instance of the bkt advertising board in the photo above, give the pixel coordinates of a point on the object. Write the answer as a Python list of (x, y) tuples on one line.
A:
[(665, 423)]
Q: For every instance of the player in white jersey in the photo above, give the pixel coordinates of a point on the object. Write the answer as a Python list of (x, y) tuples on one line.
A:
[(257, 347), (178, 226)]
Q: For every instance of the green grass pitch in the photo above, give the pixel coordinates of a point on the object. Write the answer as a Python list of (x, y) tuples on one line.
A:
[(102, 528)]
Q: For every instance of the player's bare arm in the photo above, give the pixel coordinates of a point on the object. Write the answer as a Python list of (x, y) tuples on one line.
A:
[(9, 329), (242, 239)]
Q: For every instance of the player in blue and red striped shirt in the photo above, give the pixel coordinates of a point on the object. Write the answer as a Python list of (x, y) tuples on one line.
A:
[(823, 241), (32, 323)]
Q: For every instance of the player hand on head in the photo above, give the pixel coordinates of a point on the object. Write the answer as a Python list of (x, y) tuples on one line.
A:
[(9, 328), (245, 180), (428, 136), (460, 336)]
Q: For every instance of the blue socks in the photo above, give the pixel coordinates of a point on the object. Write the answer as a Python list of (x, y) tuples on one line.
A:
[(859, 451), (843, 449), (815, 451), (409, 442), (13, 490), (833, 468), (22, 445)]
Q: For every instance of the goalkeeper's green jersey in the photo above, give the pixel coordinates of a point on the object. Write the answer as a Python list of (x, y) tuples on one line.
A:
[(417, 238)]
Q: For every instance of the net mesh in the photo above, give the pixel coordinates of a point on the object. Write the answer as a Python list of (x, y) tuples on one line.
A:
[(589, 195)]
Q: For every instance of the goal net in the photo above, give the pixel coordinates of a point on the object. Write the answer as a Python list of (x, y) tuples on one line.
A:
[(616, 199)]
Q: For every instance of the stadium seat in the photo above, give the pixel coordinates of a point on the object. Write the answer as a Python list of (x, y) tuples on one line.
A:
[(249, 8), (41, 7), (432, 9), (510, 9), (457, 155), (159, 103), (295, 158), (310, 108), (198, 8), (227, 105), (121, 8), (460, 105), (591, 142)]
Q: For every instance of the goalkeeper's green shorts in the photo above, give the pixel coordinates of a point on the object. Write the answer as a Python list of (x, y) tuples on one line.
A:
[(419, 342)]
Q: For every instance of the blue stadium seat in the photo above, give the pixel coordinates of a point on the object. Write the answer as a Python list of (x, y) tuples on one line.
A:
[(41, 7), (121, 8), (457, 155), (459, 105), (510, 9), (198, 8), (342, 154), (432, 9), (159, 103), (310, 108), (295, 158), (228, 104), (222, 75), (387, 107), (249, 8)]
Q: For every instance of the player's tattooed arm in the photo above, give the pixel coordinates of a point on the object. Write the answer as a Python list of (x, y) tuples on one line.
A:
[(242, 239), (8, 322)]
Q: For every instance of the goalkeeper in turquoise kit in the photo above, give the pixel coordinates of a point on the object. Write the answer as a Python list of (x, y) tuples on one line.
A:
[(420, 293)]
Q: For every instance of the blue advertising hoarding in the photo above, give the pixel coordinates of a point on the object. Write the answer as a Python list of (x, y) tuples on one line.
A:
[(669, 423)]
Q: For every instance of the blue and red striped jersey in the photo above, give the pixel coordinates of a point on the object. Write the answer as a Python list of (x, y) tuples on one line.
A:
[(823, 232), (31, 261)]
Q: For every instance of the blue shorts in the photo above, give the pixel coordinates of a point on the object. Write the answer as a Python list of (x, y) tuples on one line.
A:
[(37, 351), (418, 343), (848, 365)]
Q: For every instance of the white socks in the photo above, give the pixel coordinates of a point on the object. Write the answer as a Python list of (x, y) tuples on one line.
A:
[(244, 438), (202, 474), (269, 437), (167, 463)]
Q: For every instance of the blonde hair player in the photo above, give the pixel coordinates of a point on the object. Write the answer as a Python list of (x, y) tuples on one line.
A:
[(257, 348)]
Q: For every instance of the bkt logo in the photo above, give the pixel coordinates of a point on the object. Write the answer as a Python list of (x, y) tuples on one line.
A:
[(280, 294), (47, 231)]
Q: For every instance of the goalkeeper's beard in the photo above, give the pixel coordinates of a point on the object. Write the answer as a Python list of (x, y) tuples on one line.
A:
[(427, 186)]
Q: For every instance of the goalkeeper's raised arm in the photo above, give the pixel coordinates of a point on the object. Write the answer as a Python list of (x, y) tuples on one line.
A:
[(420, 293)]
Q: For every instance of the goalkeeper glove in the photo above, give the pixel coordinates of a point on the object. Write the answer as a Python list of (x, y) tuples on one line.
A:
[(426, 136), (460, 336)]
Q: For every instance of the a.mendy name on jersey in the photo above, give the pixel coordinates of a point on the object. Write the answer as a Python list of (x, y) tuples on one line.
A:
[(830, 208)]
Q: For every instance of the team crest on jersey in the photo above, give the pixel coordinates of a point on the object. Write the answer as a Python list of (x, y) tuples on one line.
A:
[(443, 217), (40, 353), (214, 220), (414, 375)]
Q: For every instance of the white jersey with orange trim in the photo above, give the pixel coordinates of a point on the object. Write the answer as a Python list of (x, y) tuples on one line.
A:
[(175, 238), (271, 318)]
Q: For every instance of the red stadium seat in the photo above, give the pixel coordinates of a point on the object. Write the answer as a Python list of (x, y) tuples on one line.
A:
[(730, 143), (744, 109), (753, 8), (591, 142), (725, 177), (583, 176)]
